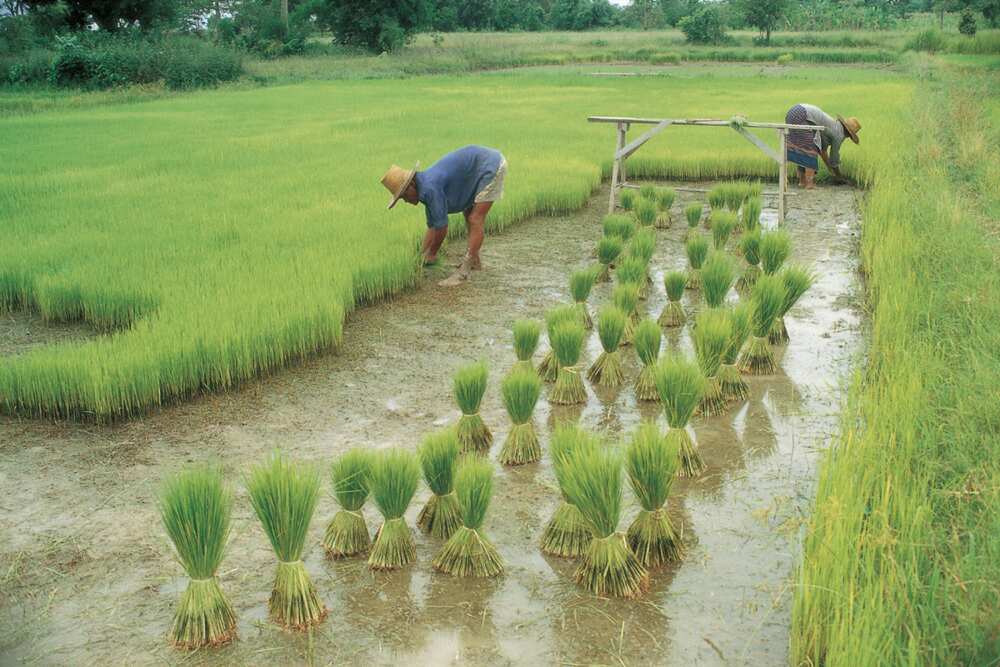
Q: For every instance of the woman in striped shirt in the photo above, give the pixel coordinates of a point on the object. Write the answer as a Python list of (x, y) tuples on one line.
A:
[(803, 146)]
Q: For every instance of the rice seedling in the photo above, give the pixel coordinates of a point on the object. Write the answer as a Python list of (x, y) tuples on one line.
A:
[(632, 271), (647, 341), (468, 386), (750, 249), (717, 198), (645, 212), (394, 477), (627, 199), (581, 282), (735, 194), (283, 495), (643, 245), (566, 534), (621, 226), (797, 281), (438, 455), (696, 249), (734, 387), (526, 334), (673, 312), (775, 247), (651, 464), (593, 483), (750, 218), (648, 192), (664, 202), (567, 341), (607, 369), (692, 213), (766, 302), (681, 386), (520, 391), (608, 250), (468, 553), (723, 224), (626, 297), (196, 510), (347, 534), (717, 275), (548, 369), (711, 337)]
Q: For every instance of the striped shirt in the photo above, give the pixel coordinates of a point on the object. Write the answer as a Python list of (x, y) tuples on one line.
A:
[(832, 137)]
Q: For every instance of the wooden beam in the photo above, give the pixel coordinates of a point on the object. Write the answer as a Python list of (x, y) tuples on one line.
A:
[(782, 175), (699, 122), (616, 167), (633, 146), (765, 193), (755, 140)]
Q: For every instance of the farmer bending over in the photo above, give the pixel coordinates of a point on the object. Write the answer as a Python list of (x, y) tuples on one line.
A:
[(804, 145), (469, 180)]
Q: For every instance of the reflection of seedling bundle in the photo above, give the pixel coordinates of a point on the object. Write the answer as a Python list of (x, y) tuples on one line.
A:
[(750, 249), (723, 223), (520, 391), (580, 284), (526, 333), (566, 534), (774, 250), (347, 534), (711, 337), (766, 302), (548, 369), (567, 341), (395, 474), (469, 385), (797, 281), (607, 370), (697, 249), (647, 346), (664, 201), (283, 495), (734, 387), (626, 297), (651, 465), (622, 226), (645, 212), (681, 386), (673, 312), (468, 553), (196, 509), (692, 213), (632, 271), (717, 276), (438, 456), (628, 199), (608, 249), (751, 214), (648, 192)]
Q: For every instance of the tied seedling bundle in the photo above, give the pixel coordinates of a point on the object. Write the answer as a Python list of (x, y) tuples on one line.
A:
[(632, 271), (581, 282), (766, 302), (681, 386), (608, 250), (395, 474), (620, 226), (711, 338), (651, 464), (797, 281), (696, 249), (717, 275), (625, 296), (196, 508), (347, 534), (735, 193), (283, 495), (664, 202), (627, 199), (607, 370), (548, 369), (750, 219), (775, 247), (567, 342), (643, 245), (716, 202), (750, 249), (734, 387), (566, 534), (645, 212), (673, 313), (723, 224), (438, 456), (692, 213), (526, 334), (468, 553), (647, 346), (648, 192), (520, 391), (469, 385)]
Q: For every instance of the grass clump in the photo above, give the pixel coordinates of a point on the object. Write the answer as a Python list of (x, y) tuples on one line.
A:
[(438, 455), (284, 495), (647, 341), (766, 302), (468, 386), (717, 198), (196, 509), (607, 369), (750, 249), (645, 212), (775, 247), (566, 534), (395, 474), (673, 312), (723, 224), (651, 464), (681, 386), (620, 226), (632, 271), (734, 387), (567, 343), (697, 250), (717, 275), (711, 337), (797, 281), (468, 553), (692, 213), (526, 335), (643, 245), (548, 369), (664, 202), (627, 199), (581, 282), (347, 534), (608, 250), (648, 192), (750, 216), (625, 296), (520, 391)]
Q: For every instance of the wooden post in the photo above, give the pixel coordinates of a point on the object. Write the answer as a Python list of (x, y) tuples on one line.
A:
[(617, 167), (782, 174)]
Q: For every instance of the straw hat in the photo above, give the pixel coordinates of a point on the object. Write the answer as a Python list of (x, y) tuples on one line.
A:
[(396, 180), (852, 126)]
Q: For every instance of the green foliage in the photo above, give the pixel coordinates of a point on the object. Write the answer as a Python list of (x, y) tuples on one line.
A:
[(520, 391), (681, 386), (376, 25), (704, 25), (284, 495), (582, 14), (394, 478), (717, 276), (739, 331), (593, 483), (751, 213), (196, 509), (674, 282), (723, 224), (438, 456), (616, 224), (665, 198), (469, 385), (625, 296), (526, 334), (766, 301), (692, 213), (765, 15), (350, 476), (643, 245), (610, 327), (627, 199), (711, 338), (581, 282), (696, 248), (567, 343), (967, 25), (645, 212), (648, 192), (651, 465), (608, 249), (775, 247), (647, 341), (797, 280), (474, 486), (631, 270), (750, 247)]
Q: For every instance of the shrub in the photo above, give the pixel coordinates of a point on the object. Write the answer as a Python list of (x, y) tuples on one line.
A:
[(967, 25), (927, 40), (703, 26), (785, 58)]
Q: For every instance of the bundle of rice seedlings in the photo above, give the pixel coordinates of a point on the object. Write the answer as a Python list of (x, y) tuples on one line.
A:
[(567, 341), (622, 226), (750, 249), (755, 190), (711, 337), (797, 281), (283, 495), (734, 387), (526, 334), (766, 302), (347, 533), (681, 386), (697, 249), (717, 275), (673, 313), (692, 213), (632, 270), (394, 478), (647, 346), (548, 369), (775, 247), (581, 282), (608, 249), (593, 483), (627, 199), (735, 194), (648, 192), (520, 391), (566, 534), (751, 213), (651, 464), (665, 199), (645, 212), (723, 224), (607, 370), (468, 553), (643, 245), (625, 296), (438, 456), (717, 198), (196, 508), (469, 385)]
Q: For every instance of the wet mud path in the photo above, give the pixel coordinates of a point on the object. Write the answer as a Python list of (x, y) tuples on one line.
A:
[(87, 575)]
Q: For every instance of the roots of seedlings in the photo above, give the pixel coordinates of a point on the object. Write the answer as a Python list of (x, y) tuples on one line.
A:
[(712, 403), (294, 604), (609, 568), (393, 546), (566, 534), (645, 386), (569, 388), (757, 358), (691, 463), (694, 279), (734, 387), (585, 319), (604, 275), (548, 369), (779, 333), (468, 554), (441, 516), (347, 535), (664, 221), (473, 434), (607, 370), (672, 315), (628, 332), (653, 540), (749, 278), (204, 617), (521, 446)]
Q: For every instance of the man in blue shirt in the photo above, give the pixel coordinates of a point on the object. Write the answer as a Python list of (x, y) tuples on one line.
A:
[(467, 180)]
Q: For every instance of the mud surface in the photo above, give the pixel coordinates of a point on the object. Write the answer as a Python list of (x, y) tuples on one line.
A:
[(22, 332), (87, 575)]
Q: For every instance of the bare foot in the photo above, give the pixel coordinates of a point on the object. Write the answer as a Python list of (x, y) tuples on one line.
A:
[(473, 265)]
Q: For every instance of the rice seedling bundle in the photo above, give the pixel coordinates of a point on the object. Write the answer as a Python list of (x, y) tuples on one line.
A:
[(438, 456), (717, 275), (648, 192), (607, 369), (723, 224), (526, 334), (548, 369), (196, 510), (616, 224), (643, 245), (664, 201), (647, 341), (775, 247), (283, 495), (651, 464), (627, 199), (608, 250), (626, 297), (750, 219), (673, 312), (581, 282), (645, 212), (566, 534), (735, 194), (766, 302), (394, 478), (755, 190), (692, 213), (468, 386), (520, 391), (734, 387), (632, 271), (696, 249), (711, 337), (468, 553), (717, 198), (347, 533), (797, 281), (681, 386), (567, 342), (593, 483), (750, 249)]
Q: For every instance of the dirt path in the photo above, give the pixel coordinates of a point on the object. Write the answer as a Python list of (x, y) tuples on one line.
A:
[(87, 576)]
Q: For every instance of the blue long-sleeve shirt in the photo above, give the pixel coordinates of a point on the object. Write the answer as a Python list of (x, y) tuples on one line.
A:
[(451, 184)]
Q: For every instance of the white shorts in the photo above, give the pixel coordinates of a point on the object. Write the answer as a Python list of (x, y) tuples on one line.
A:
[(494, 189)]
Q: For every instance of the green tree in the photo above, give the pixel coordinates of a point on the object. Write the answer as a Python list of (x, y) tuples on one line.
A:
[(477, 14), (112, 15), (377, 25), (704, 25), (762, 14)]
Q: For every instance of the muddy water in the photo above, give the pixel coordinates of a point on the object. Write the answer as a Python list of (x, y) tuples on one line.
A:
[(87, 576)]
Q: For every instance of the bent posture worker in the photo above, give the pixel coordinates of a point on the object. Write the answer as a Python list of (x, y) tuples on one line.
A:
[(804, 146)]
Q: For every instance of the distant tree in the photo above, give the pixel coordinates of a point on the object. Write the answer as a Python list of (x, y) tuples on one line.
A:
[(477, 14), (581, 14), (648, 13), (113, 15), (377, 25), (967, 24), (764, 15), (704, 25), (445, 16), (519, 15), (990, 10)]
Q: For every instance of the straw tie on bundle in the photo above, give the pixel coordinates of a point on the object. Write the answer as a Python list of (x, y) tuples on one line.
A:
[(469, 385), (438, 455)]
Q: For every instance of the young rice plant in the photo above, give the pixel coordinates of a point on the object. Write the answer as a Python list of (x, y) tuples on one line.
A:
[(520, 391), (567, 342), (797, 281), (647, 341), (618, 225), (734, 387), (645, 212), (723, 224), (469, 385), (697, 249), (627, 199), (775, 247), (395, 475), (750, 249), (711, 337), (548, 369), (526, 334), (468, 553), (664, 202), (347, 533), (608, 249), (717, 275), (625, 296), (607, 369), (566, 534), (651, 463), (692, 213), (438, 454), (673, 312), (581, 282), (766, 302), (632, 271), (681, 386)]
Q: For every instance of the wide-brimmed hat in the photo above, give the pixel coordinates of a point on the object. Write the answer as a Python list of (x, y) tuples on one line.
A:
[(396, 180), (852, 126)]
